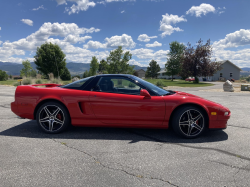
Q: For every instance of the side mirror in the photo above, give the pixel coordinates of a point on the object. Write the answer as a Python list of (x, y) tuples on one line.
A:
[(145, 93)]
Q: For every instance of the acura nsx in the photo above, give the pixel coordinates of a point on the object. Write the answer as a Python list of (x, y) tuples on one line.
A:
[(117, 101)]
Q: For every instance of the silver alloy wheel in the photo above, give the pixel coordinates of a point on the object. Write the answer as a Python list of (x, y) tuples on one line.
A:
[(191, 123), (51, 118)]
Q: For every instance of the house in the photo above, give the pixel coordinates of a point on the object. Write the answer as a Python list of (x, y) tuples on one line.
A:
[(162, 75), (229, 71), (140, 73)]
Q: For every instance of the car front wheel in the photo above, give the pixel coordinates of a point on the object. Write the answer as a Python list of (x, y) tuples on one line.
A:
[(52, 117), (189, 122)]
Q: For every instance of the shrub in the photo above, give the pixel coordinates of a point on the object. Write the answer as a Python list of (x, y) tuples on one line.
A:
[(3, 76), (55, 81), (26, 81), (66, 75), (16, 84), (38, 81), (160, 83), (196, 80), (131, 85)]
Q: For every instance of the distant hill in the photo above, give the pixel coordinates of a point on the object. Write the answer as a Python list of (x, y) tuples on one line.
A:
[(74, 68)]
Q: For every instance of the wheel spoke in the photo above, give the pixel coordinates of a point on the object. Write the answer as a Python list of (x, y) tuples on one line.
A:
[(56, 111), (197, 117), (184, 123), (46, 119), (51, 123), (47, 111), (197, 127), (189, 115), (58, 121), (189, 130)]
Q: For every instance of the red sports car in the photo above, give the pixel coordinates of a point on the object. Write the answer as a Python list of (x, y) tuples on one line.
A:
[(190, 79), (117, 101)]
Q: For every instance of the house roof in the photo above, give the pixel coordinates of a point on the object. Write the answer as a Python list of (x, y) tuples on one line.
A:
[(224, 61), (162, 71), (140, 69)]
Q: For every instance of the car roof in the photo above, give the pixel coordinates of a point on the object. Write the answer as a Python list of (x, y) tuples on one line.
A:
[(119, 75)]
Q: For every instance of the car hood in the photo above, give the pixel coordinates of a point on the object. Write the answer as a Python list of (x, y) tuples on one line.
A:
[(201, 100)]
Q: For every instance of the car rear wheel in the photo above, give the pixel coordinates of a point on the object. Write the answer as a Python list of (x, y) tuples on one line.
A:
[(189, 122), (52, 117)]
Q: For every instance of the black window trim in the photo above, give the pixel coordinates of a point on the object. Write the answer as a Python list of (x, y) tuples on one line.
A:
[(152, 93)]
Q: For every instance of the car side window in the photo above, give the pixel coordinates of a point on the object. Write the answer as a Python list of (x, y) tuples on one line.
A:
[(120, 85)]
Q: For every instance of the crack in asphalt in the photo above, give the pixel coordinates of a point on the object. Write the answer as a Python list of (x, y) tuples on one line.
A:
[(232, 166), (5, 106), (116, 169), (190, 146), (239, 126)]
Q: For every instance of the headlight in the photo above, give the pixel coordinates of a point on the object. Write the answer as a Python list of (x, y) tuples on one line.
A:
[(226, 113)]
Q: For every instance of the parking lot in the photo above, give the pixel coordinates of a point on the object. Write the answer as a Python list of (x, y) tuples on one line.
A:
[(125, 157)]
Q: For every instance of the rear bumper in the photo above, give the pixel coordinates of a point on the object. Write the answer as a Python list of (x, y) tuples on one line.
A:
[(14, 108)]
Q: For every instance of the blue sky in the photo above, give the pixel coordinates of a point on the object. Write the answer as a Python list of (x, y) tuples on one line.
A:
[(86, 28)]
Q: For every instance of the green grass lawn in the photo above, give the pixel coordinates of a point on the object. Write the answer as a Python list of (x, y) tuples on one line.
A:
[(44, 81), (8, 82), (178, 82)]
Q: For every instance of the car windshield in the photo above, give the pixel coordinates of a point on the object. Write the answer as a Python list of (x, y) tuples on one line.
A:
[(152, 87), (77, 84)]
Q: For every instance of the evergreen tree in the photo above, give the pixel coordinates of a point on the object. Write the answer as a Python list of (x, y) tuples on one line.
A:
[(50, 58), (153, 69)]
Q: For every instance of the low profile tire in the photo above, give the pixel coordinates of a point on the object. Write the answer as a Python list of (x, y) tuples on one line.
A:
[(53, 117), (189, 122)]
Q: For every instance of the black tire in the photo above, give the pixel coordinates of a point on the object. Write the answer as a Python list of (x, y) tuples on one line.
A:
[(189, 122), (53, 117)]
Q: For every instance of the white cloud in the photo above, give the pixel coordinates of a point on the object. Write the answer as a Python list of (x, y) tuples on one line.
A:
[(1, 42), (61, 2), (143, 53), (81, 5), (135, 62), (155, 44), (123, 40), (94, 45), (0, 28), (70, 32), (145, 38), (122, 11), (27, 21), (202, 9), (167, 20), (109, 1), (113, 42), (238, 38), (76, 38), (234, 40), (40, 7)]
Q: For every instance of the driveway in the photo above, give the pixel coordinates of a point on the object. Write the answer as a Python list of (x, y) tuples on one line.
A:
[(125, 157)]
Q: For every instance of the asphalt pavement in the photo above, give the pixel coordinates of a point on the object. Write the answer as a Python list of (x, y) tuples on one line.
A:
[(126, 157)]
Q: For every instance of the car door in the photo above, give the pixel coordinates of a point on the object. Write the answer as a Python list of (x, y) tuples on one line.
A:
[(117, 100)]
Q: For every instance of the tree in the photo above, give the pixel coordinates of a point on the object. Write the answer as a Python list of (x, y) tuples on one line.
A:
[(94, 65), (3, 75), (50, 58), (197, 60), (175, 55), (66, 75), (153, 69), (33, 73), (118, 62), (85, 74), (27, 69), (103, 67)]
